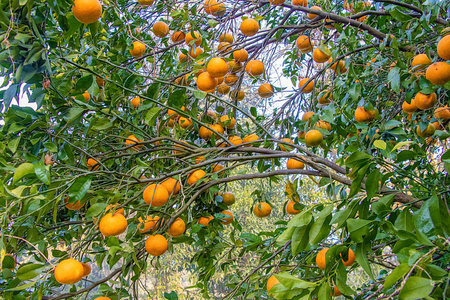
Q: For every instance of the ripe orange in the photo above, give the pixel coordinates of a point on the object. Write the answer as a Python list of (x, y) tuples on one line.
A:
[(223, 47), (195, 176), (276, 2), (304, 44), (87, 11), (206, 82), (249, 27), (239, 95), (320, 259), (420, 61), (265, 90), (223, 89), (351, 258), (234, 66), (138, 49), (136, 102), (199, 159), (336, 292), (429, 131), (292, 163), (132, 140), (423, 101), (147, 224), (229, 219), (92, 164), (443, 48), (156, 195), (144, 2), (73, 206), (217, 168), (290, 208), (196, 37), (438, 73), (262, 210), (308, 88), (228, 198), (205, 133), (86, 96), (313, 138), (240, 55), (112, 208), (217, 67), (218, 128), (156, 245), (177, 228), (340, 65), (160, 29), (254, 68), (325, 97), (227, 122), (69, 271), (303, 3), (323, 125), (184, 122), (235, 140), (363, 115), (301, 134), (212, 114), (320, 57), (182, 57), (86, 269), (172, 186), (177, 36), (286, 147), (211, 6), (409, 107), (442, 113), (311, 15), (105, 298), (205, 220), (271, 282), (194, 53), (113, 224), (231, 78), (307, 115), (250, 138), (226, 37)]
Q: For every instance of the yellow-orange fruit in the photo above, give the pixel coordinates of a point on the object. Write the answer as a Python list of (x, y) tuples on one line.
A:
[(194, 53), (265, 90), (262, 210), (92, 164), (227, 121), (69, 271), (132, 140), (73, 206), (240, 55), (325, 97), (156, 245), (311, 15), (177, 36), (336, 291), (182, 57), (290, 208), (239, 95), (205, 133), (286, 147), (147, 224), (177, 228), (184, 122), (155, 195), (142, 2), (293, 163), (443, 48), (350, 258), (363, 115), (230, 78), (206, 82), (254, 68), (303, 3), (340, 65), (228, 198), (196, 37), (442, 113), (160, 29), (211, 6), (172, 186), (276, 2), (249, 27), (138, 49), (320, 259), (223, 47), (136, 102), (409, 107), (301, 134), (307, 88), (86, 96), (112, 224), (420, 61), (313, 138), (226, 37), (271, 282), (235, 140), (195, 176), (223, 89), (217, 168), (86, 269), (429, 131), (205, 220), (424, 101), (307, 115), (320, 57), (234, 66), (227, 220), (303, 43), (438, 73), (250, 138), (323, 125), (112, 208), (217, 67), (218, 128), (87, 11)]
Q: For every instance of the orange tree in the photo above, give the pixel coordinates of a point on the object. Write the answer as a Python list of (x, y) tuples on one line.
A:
[(145, 110)]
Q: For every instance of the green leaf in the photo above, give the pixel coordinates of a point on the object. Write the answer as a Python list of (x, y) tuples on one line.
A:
[(212, 23), (399, 16), (396, 275), (401, 144), (22, 171), (372, 183), (79, 188), (302, 219), (153, 90), (362, 260), (416, 288), (22, 287), (172, 296), (177, 98), (96, 209), (380, 144), (394, 79), (356, 158), (290, 286), (285, 236), (74, 113), (324, 292), (299, 240), (51, 146), (321, 227), (102, 124), (151, 115), (84, 83), (42, 173), (199, 94), (29, 271), (358, 229), (355, 91)]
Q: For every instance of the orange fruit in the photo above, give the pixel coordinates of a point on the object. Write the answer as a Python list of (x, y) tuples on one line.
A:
[(351, 258), (254, 68), (160, 29), (206, 82), (442, 113), (292, 163), (86, 269), (184, 122), (235, 140), (311, 15), (429, 131), (265, 90), (290, 208), (340, 65), (228, 198), (226, 37), (199, 159), (73, 206), (363, 115), (271, 282), (136, 102), (177, 36), (323, 125), (172, 186), (301, 134), (234, 66), (218, 128), (307, 115), (132, 140), (211, 6), (239, 95), (195, 176), (217, 67), (231, 78), (112, 208), (106, 298), (262, 210), (229, 219), (336, 292), (113, 224), (92, 164), (443, 48), (227, 122), (205, 220), (156, 195), (303, 3), (182, 57), (276, 2), (438, 73), (147, 224), (69, 271), (211, 114), (313, 138), (87, 11), (86, 96), (423, 101), (223, 89), (249, 27), (320, 259), (205, 133), (409, 107), (240, 55), (196, 37), (325, 97), (156, 245), (286, 147), (138, 49), (217, 168), (223, 47), (306, 88), (304, 44), (194, 53), (420, 61), (320, 57), (142, 2), (177, 228), (250, 138)]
